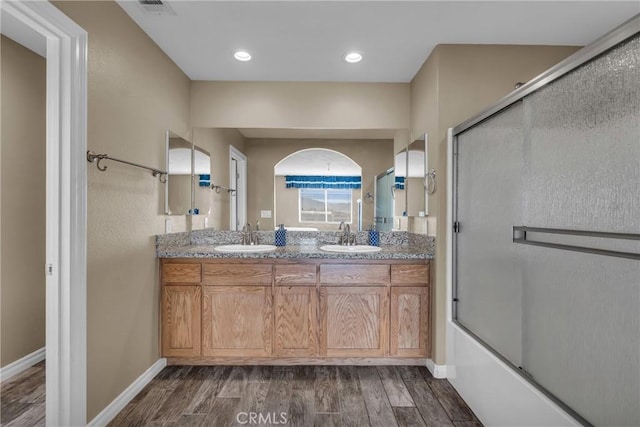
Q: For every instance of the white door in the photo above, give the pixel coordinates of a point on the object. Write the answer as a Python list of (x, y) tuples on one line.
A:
[(66, 186), (238, 182)]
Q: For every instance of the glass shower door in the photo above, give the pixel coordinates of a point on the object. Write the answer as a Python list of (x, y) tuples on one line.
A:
[(489, 269), (385, 201), (547, 249)]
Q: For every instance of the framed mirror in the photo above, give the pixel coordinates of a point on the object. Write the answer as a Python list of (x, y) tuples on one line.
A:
[(177, 198)]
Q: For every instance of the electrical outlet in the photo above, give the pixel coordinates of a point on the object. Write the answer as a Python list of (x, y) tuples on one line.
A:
[(265, 214), (168, 226)]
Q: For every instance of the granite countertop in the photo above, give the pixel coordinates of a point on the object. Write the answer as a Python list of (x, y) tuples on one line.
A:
[(294, 252), (301, 245)]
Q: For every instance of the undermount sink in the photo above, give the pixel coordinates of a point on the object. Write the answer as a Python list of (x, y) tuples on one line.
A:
[(245, 248), (350, 249)]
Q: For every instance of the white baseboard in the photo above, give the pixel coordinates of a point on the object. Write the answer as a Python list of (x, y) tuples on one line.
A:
[(118, 404), (20, 365), (438, 371)]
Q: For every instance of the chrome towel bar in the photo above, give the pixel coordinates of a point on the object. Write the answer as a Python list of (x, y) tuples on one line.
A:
[(520, 236), (97, 158)]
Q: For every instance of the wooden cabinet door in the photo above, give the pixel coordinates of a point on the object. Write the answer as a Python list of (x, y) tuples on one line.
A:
[(354, 321), (410, 321), (181, 321), (295, 320), (236, 321)]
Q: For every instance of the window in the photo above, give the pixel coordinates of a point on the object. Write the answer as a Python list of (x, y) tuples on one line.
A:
[(325, 205)]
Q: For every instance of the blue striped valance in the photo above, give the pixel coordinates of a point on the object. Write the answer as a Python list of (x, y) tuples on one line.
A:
[(300, 181), (399, 183), (204, 180)]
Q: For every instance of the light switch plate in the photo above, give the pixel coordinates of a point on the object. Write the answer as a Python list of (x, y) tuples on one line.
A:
[(265, 214), (167, 226)]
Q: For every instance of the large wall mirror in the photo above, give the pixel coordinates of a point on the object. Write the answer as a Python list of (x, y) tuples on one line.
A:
[(250, 166)]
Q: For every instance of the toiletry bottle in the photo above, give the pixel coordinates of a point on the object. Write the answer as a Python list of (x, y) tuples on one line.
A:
[(374, 236), (281, 236)]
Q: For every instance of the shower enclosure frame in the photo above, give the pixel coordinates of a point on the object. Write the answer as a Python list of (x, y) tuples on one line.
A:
[(603, 44)]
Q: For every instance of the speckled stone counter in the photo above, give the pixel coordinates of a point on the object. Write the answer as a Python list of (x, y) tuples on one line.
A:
[(300, 245)]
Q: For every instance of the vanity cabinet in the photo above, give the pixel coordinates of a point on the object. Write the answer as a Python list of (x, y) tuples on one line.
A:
[(354, 307), (236, 321), (410, 311), (236, 310), (409, 321), (283, 311), (181, 309), (295, 320), (295, 305), (354, 321)]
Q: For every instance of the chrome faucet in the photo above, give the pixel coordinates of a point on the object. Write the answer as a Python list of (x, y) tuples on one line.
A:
[(246, 234), (255, 236), (346, 238), (250, 237)]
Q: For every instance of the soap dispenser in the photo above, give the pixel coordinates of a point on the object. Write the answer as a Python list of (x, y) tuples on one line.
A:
[(281, 236), (374, 236)]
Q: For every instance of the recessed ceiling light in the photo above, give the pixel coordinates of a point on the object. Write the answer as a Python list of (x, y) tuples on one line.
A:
[(353, 57), (242, 55)]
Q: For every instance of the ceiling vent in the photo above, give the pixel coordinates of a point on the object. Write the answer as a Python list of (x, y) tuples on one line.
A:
[(156, 7)]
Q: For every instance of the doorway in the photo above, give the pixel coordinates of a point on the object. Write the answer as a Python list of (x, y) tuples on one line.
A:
[(40, 25), (238, 182)]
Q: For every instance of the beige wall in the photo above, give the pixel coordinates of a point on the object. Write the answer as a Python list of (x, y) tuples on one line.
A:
[(455, 83), (216, 141), (373, 156), (23, 148), (300, 105), (135, 94)]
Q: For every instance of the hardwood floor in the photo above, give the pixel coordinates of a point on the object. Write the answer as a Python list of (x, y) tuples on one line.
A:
[(22, 397), (213, 396), (322, 396)]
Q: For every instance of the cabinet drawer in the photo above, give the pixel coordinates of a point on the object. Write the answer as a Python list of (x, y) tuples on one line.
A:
[(362, 274), (237, 274), (410, 273), (303, 274), (181, 273)]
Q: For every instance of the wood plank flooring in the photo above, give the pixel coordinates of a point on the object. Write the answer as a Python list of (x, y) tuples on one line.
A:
[(22, 397), (215, 396), (212, 396)]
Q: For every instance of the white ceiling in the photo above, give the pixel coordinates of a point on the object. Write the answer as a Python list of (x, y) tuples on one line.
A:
[(306, 40)]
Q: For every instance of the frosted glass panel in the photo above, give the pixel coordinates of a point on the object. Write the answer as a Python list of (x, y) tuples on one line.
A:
[(566, 157), (489, 272), (385, 202), (582, 171)]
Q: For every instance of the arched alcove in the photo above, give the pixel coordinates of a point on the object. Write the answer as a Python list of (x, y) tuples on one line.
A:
[(325, 192)]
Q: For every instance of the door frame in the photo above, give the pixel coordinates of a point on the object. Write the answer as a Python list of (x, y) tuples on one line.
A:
[(240, 195), (66, 205)]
